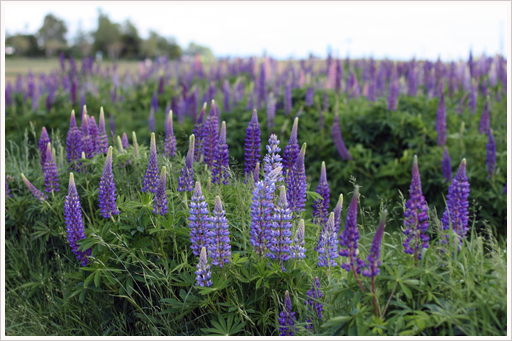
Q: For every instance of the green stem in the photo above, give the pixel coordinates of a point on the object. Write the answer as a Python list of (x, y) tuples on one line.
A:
[(389, 299)]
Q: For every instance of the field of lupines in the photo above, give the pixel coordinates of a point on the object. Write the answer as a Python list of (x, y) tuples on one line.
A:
[(201, 230)]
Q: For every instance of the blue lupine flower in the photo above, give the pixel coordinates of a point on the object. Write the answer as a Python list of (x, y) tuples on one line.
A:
[(278, 236), (43, 142), (337, 214), (87, 144), (252, 144), (220, 169), (291, 151), (297, 250), (321, 206), (186, 180), (327, 247), (199, 220), (373, 257), (350, 236), (170, 139), (296, 184), (287, 317), (160, 205), (37, 193), (51, 179), (313, 295), (272, 160), (151, 177), (491, 155), (211, 140), (107, 189), (203, 273), (218, 243), (199, 132), (338, 140), (93, 131), (102, 145)]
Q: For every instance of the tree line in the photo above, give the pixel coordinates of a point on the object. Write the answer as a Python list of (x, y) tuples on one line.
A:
[(113, 40)]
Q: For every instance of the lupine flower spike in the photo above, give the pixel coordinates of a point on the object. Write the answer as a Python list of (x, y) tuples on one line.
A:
[(491, 155), (296, 183), (291, 151), (74, 222), (441, 122), (327, 247), (135, 144), (43, 142), (212, 137), (262, 208), (170, 139), (87, 144), (456, 214), (252, 144), (107, 189), (297, 250), (373, 258), (151, 177), (51, 180), (199, 220), (337, 214), (218, 244), (203, 273), (279, 236), (93, 131), (220, 169), (124, 141), (272, 160), (74, 141), (446, 165), (338, 140), (287, 317), (349, 238), (186, 180), (321, 206), (314, 294), (37, 193), (102, 144), (200, 133), (160, 205), (257, 173), (416, 216)]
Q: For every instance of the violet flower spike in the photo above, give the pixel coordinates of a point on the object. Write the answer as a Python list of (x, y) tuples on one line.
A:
[(43, 142), (446, 165), (218, 244), (50, 171), (314, 295), (373, 257), (199, 132), (107, 189), (102, 145), (87, 144), (252, 144), (272, 160), (338, 140), (151, 177), (337, 214), (220, 169), (170, 139), (321, 206), (124, 142), (491, 155), (278, 236), (441, 122), (256, 174), (199, 221), (287, 318), (186, 180), (160, 205), (93, 131), (456, 214), (296, 183), (74, 222), (297, 250), (291, 151), (212, 138), (37, 193), (203, 273), (327, 247)]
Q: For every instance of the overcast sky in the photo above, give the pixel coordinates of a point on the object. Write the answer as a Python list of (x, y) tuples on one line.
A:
[(386, 29)]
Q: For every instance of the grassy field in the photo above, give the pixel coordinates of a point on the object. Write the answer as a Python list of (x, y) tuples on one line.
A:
[(15, 66)]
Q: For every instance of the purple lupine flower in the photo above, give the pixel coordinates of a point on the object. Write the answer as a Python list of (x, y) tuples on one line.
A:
[(203, 273), (252, 144), (272, 160), (218, 244), (393, 91), (297, 183), (74, 222), (327, 246), (446, 165), (151, 120), (456, 214), (297, 250), (102, 142), (278, 236), (220, 169), (473, 97), (199, 220), (288, 105), (51, 180), (87, 144), (412, 79), (338, 140), (37, 193), (262, 208), (107, 189), (291, 151), (160, 205), (373, 258), (485, 119), (43, 143), (186, 180), (337, 214), (170, 139), (416, 216), (491, 155), (271, 111), (125, 143), (199, 132), (314, 294), (256, 174), (73, 141), (321, 206), (150, 182), (349, 238), (211, 140), (226, 89), (287, 317), (310, 93), (441, 122), (93, 131), (7, 190), (154, 102)]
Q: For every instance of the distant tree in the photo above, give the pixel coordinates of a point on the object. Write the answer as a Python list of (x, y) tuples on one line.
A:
[(107, 37), (157, 45), (25, 45), (82, 41), (131, 40), (51, 34), (195, 49)]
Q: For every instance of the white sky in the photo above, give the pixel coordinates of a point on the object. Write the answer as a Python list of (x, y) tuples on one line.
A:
[(396, 30)]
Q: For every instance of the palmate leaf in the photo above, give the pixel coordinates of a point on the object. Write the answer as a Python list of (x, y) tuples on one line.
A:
[(232, 326)]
